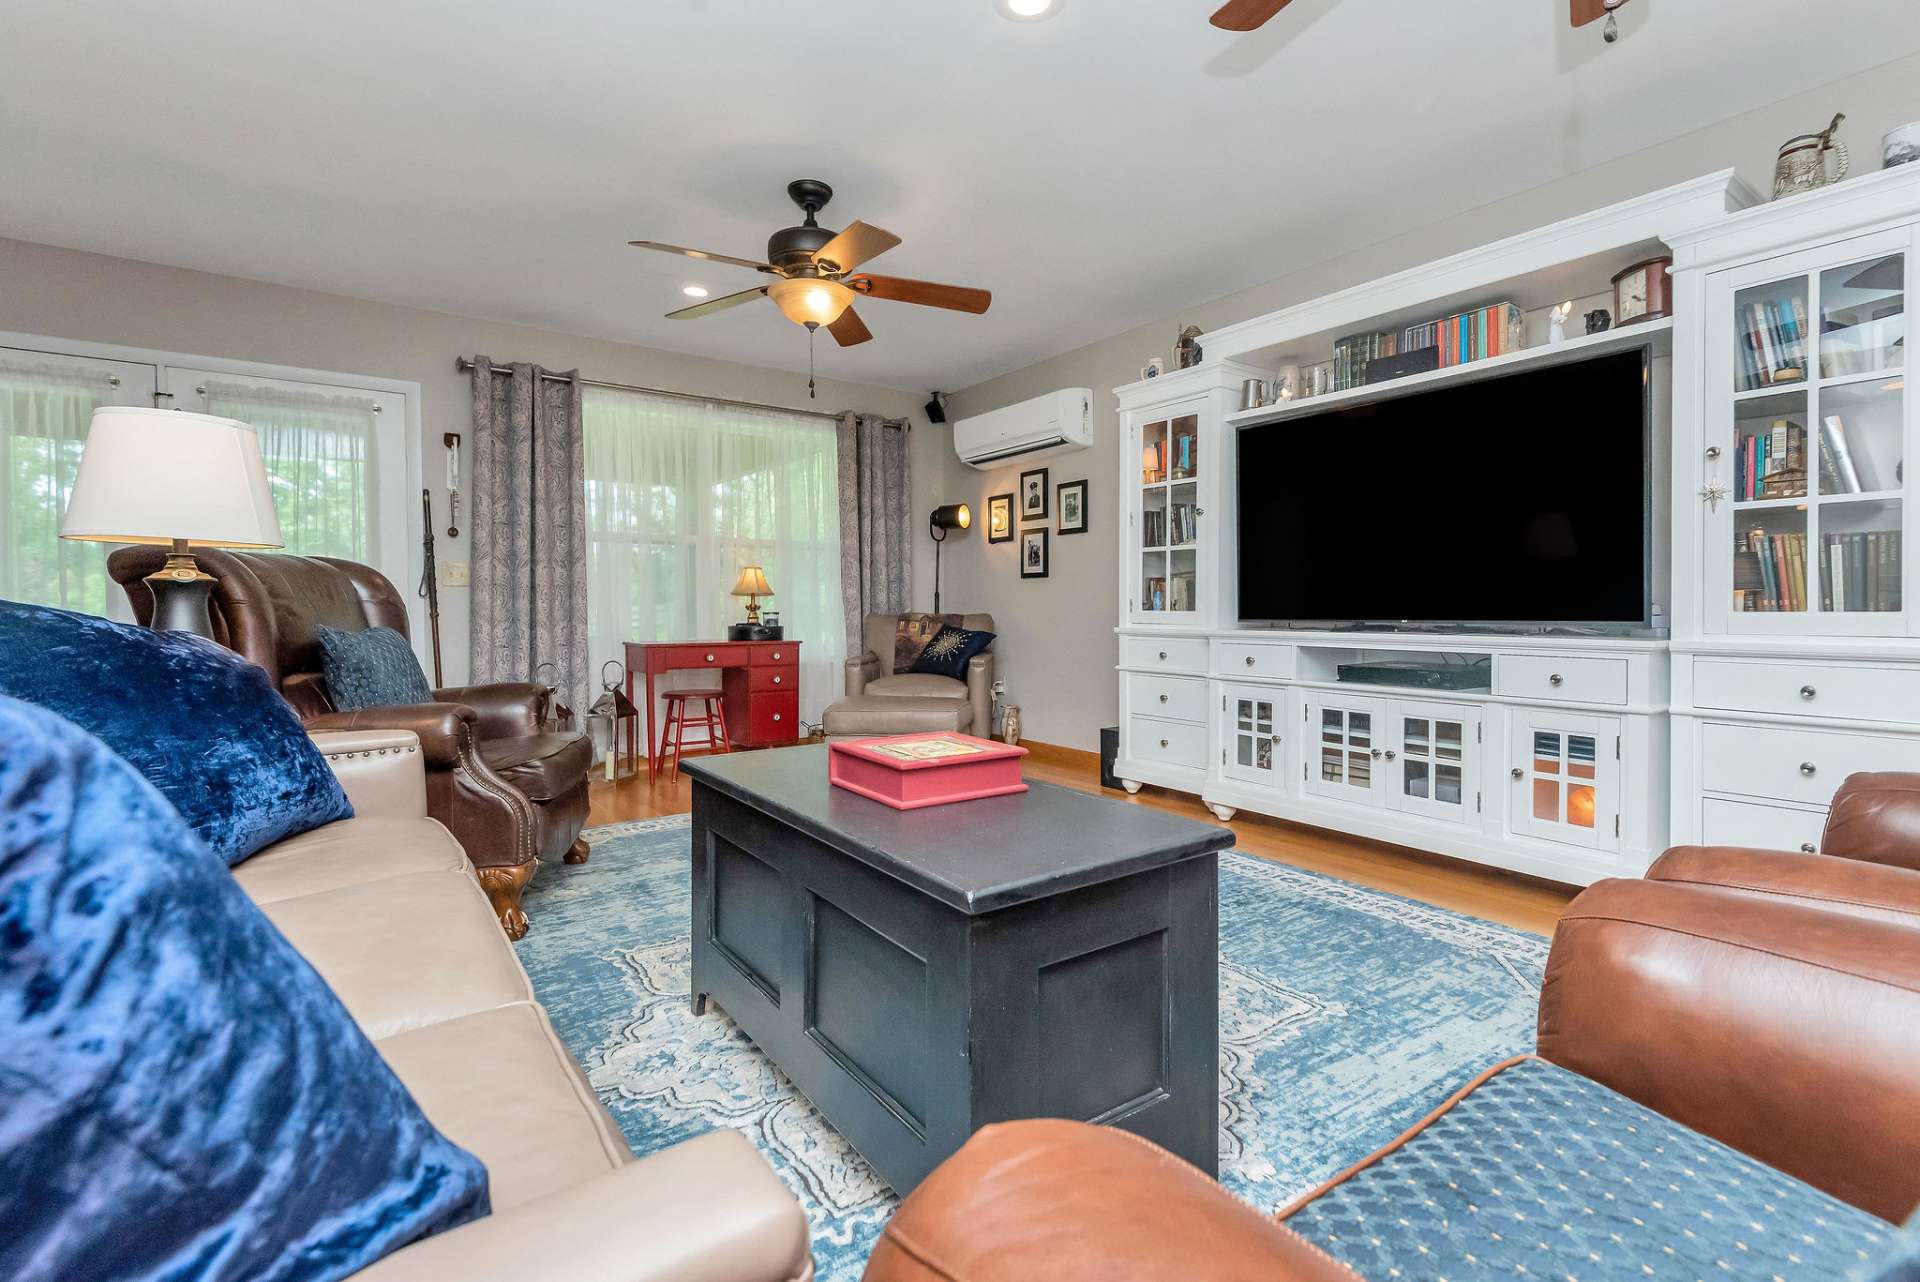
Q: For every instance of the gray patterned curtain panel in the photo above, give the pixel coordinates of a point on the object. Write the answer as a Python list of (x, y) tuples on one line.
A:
[(529, 522), (876, 554)]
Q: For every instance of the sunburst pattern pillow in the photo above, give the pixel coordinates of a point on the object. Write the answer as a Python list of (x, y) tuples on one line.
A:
[(947, 654)]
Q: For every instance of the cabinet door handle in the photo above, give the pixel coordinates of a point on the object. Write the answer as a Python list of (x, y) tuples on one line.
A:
[(777, 680), (1806, 768), (1807, 848), (1373, 752), (1807, 692), (1163, 743), (1518, 773), (1163, 698), (1555, 679), (1390, 754), (709, 658), (1713, 451)]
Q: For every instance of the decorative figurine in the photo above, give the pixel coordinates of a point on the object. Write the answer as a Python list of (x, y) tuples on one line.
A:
[(1557, 323), (1598, 321), (1186, 352)]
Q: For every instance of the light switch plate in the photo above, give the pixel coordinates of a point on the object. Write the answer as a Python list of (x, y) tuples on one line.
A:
[(455, 574)]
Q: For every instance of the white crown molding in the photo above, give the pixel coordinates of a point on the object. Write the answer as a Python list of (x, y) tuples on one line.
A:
[(1854, 207)]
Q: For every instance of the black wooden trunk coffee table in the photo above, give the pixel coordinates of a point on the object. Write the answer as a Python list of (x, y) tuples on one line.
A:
[(921, 974)]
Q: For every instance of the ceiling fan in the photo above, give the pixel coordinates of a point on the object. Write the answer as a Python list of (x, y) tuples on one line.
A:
[(817, 273), (1251, 15)]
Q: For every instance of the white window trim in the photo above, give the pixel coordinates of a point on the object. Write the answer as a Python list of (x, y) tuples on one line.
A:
[(42, 344)]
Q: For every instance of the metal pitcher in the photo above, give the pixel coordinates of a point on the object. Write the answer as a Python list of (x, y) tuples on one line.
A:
[(1802, 165)]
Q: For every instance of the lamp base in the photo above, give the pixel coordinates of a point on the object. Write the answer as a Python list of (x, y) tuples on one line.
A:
[(181, 591)]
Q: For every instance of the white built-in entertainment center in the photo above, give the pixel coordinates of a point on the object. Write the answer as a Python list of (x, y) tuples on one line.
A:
[(1782, 653)]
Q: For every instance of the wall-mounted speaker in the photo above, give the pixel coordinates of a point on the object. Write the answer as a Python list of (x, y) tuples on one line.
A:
[(936, 412)]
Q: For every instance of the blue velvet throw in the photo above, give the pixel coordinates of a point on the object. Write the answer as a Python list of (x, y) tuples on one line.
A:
[(204, 726), (181, 1097), (371, 668)]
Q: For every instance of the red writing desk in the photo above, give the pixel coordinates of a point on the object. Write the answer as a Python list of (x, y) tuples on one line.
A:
[(759, 683)]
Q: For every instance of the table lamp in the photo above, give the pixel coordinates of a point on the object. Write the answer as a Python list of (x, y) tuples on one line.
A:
[(752, 584), (178, 480)]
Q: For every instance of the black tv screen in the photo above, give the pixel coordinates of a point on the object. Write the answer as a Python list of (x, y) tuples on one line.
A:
[(1517, 499)]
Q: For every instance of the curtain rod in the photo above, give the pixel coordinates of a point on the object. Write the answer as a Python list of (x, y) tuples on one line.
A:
[(465, 364)]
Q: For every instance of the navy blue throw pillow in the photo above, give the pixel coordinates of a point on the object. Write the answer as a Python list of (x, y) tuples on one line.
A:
[(184, 1097), (371, 668), (204, 726), (947, 654)]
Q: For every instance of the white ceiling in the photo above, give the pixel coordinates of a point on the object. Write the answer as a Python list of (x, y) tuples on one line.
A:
[(1097, 170)]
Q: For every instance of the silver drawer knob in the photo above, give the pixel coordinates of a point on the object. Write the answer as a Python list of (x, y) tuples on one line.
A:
[(1806, 767), (1555, 679), (1163, 743), (1807, 692), (1373, 752), (1807, 848), (1249, 661), (1163, 698), (1390, 754), (1518, 773), (709, 658), (1163, 654), (776, 681)]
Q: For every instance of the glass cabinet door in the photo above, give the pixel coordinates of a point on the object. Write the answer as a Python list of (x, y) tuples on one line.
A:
[(1431, 768), (1167, 523), (1565, 773), (1814, 463), (1251, 746), (1344, 751)]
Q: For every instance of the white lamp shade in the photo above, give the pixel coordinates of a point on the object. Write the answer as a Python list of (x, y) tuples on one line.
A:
[(153, 476)]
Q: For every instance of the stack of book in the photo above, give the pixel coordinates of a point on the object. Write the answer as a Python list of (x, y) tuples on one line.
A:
[(1770, 571), (1772, 464), (1773, 346), (1862, 571)]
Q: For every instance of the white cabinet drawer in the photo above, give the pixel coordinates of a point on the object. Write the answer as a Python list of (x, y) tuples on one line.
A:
[(1176, 654), (1237, 659), (1794, 765), (1175, 698), (1813, 689), (1173, 743), (1748, 823), (1563, 678)]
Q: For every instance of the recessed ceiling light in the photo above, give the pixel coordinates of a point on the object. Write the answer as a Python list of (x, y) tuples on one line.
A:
[(1027, 10), (694, 291)]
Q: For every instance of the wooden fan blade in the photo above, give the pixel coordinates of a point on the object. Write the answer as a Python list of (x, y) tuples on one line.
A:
[(702, 254), (955, 298), (720, 304), (1249, 15), (1585, 11), (853, 246), (849, 329)]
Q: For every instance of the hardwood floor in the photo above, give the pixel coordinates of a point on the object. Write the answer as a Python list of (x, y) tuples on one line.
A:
[(1523, 902)]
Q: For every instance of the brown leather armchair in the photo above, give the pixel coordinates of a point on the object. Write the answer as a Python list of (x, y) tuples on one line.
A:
[(882, 701), (1766, 999), (509, 792)]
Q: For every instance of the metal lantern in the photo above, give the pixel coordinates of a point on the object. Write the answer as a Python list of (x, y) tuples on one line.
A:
[(554, 716), (610, 715)]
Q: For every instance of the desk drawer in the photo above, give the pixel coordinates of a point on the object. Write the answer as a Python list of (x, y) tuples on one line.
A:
[(771, 678), (1804, 766), (1176, 654), (666, 658), (1571, 680), (773, 717), (1173, 743), (1811, 689), (1252, 659), (1761, 827), (1175, 698), (775, 652)]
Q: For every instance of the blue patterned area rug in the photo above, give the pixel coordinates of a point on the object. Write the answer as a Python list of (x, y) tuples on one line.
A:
[(1345, 1015)]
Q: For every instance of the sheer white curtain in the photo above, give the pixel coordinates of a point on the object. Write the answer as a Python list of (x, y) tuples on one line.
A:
[(680, 495), (45, 408), (321, 452)]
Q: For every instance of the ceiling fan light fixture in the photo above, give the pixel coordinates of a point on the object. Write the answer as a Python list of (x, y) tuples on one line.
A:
[(810, 301), (1027, 10)]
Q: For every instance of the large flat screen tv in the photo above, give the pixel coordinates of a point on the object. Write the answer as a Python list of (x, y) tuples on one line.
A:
[(1518, 500)]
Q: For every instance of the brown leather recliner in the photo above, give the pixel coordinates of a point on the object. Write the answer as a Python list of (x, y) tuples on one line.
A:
[(1770, 1000), (511, 794)]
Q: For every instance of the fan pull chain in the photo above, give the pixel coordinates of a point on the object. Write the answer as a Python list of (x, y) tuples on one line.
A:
[(811, 331)]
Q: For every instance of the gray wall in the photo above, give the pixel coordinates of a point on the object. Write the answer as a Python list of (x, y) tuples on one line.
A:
[(1058, 649), (62, 293)]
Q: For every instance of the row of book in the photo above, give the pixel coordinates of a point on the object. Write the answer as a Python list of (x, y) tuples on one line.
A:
[(1773, 341), (1459, 338), (1180, 520), (1858, 572), (1158, 454), (1174, 593), (1772, 464)]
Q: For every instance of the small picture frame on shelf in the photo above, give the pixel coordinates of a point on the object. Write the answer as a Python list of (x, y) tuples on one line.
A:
[(1033, 495), (1000, 518), (1034, 554), (1072, 504)]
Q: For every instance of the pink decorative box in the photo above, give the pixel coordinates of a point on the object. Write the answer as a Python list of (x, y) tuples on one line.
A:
[(908, 771)]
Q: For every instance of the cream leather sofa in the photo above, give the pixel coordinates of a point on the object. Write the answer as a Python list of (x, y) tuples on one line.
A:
[(385, 906)]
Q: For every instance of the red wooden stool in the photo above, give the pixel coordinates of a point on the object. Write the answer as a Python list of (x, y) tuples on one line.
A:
[(709, 717)]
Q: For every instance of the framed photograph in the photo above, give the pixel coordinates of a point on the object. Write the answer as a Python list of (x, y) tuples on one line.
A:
[(1033, 554), (1071, 502), (1033, 495), (1000, 518)]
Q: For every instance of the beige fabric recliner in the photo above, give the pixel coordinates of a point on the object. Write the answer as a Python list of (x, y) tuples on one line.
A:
[(386, 908), (882, 701)]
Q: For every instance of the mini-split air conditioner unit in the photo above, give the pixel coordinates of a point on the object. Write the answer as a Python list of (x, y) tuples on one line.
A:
[(1056, 423)]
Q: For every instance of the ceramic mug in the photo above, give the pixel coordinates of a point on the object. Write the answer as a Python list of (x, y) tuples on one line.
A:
[(1901, 146)]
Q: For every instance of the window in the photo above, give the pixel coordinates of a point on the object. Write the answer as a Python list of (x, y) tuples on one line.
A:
[(680, 495)]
